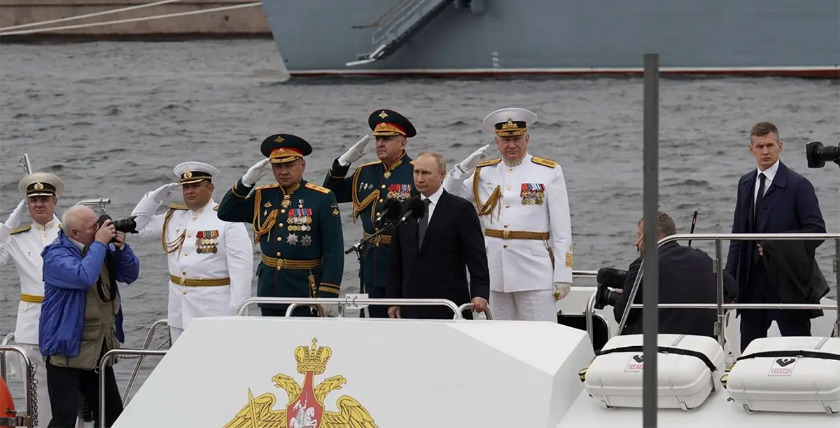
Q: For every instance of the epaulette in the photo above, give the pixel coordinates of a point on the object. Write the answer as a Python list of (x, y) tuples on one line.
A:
[(489, 162), (178, 207), (543, 161), (369, 164), (411, 162), (268, 186), (317, 188), (20, 230)]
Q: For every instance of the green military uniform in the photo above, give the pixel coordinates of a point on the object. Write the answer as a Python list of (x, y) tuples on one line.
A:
[(298, 229), (368, 188)]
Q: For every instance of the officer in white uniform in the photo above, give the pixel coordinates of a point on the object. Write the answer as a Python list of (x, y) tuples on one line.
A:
[(211, 262), (523, 204), (23, 246)]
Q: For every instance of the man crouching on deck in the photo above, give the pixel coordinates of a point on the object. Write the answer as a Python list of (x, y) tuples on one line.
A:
[(81, 317)]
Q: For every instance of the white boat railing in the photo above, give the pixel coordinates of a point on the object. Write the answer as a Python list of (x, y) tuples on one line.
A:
[(103, 363), (720, 306), (293, 302), (146, 344), (30, 416)]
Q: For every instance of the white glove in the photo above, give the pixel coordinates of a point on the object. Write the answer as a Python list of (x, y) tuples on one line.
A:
[(468, 165), (14, 218), (355, 152), (162, 193), (255, 173), (561, 289)]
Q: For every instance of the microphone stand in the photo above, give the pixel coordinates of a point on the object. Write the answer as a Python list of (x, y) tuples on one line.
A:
[(362, 248)]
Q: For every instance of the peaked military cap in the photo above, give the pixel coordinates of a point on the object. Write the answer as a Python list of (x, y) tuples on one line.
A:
[(194, 172), (388, 122), (282, 148), (509, 122), (41, 184)]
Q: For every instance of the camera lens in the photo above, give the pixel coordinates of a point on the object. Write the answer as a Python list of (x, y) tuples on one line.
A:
[(127, 225)]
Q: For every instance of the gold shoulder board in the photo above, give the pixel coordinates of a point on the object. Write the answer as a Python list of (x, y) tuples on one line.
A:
[(317, 188), (20, 230), (268, 186), (177, 207), (216, 208), (369, 164), (489, 162), (543, 161)]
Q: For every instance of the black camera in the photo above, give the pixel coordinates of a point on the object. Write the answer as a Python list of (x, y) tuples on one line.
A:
[(609, 279), (126, 225), (817, 154)]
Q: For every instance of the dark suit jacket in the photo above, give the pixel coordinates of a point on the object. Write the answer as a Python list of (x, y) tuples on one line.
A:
[(686, 275), (790, 204), (453, 243)]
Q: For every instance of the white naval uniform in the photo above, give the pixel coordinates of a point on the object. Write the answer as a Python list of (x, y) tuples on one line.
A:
[(522, 266), (225, 251), (23, 247)]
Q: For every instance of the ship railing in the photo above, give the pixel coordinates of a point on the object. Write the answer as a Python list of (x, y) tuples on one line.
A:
[(106, 359), (385, 16), (6, 340), (146, 345), (29, 417), (403, 14), (718, 267), (343, 303)]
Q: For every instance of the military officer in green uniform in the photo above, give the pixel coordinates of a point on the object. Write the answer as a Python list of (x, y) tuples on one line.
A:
[(391, 177), (296, 223)]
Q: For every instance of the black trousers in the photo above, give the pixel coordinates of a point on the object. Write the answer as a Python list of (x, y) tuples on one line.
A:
[(65, 388), (755, 322), (377, 311), (280, 311)]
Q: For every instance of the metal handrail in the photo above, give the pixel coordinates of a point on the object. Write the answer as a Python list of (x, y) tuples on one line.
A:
[(719, 267), (6, 340), (243, 308), (146, 344), (27, 387), (103, 364), (319, 308), (471, 307), (409, 10)]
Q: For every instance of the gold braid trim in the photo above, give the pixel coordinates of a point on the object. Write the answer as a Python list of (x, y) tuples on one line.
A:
[(485, 208), (265, 227), (175, 245)]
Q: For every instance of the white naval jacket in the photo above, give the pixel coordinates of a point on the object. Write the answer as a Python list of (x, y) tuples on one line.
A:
[(24, 246), (211, 249), (533, 198)]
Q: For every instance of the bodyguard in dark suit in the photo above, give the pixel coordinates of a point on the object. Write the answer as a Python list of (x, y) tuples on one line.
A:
[(771, 199), (430, 256), (686, 275)]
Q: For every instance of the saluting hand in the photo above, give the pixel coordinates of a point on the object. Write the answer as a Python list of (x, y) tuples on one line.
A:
[(468, 165), (14, 218), (355, 152), (255, 173), (161, 193)]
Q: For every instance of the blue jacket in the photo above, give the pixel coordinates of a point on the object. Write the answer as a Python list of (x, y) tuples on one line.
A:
[(67, 278)]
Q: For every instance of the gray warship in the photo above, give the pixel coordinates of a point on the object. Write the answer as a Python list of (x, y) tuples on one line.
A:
[(511, 37)]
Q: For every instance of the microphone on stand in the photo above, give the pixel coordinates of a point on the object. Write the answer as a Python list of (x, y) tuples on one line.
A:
[(390, 211), (416, 209)]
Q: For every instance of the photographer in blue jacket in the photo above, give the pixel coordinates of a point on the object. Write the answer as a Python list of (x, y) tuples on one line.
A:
[(81, 316)]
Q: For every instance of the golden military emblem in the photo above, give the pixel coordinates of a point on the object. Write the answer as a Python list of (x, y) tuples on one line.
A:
[(39, 186), (187, 174), (306, 403)]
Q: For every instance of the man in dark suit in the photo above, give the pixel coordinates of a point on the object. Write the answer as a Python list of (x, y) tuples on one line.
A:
[(686, 275), (771, 199), (430, 255)]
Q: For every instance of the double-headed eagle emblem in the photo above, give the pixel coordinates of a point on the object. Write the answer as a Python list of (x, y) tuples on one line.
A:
[(306, 403)]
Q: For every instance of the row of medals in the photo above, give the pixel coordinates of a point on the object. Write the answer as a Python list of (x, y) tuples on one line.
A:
[(299, 223)]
